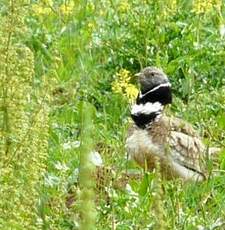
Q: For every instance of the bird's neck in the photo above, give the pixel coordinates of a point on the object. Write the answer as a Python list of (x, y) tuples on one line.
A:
[(145, 114), (149, 105), (161, 93)]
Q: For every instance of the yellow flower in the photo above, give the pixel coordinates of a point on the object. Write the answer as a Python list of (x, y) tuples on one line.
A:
[(169, 8), (91, 26), (204, 6), (131, 91), (124, 6), (67, 8), (173, 6), (124, 75), (40, 10), (123, 86), (101, 12), (43, 7), (91, 6)]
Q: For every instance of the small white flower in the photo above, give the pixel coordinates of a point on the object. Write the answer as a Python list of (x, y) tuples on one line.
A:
[(55, 125), (111, 192), (97, 42), (95, 158), (76, 172), (131, 61), (130, 190), (51, 180), (197, 45), (71, 145), (61, 166), (39, 221), (222, 30), (200, 227), (74, 177)]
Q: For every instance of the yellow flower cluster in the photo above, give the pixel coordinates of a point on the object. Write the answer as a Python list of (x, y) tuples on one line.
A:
[(173, 6), (67, 9), (123, 86), (42, 8), (169, 8), (124, 6), (46, 7), (203, 6)]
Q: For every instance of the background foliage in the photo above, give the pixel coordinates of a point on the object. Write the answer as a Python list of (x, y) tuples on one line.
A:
[(56, 55)]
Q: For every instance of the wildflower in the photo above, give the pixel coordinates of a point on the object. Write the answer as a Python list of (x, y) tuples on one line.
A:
[(75, 174), (131, 91), (71, 145), (204, 6), (122, 85), (51, 180), (67, 9), (61, 166), (90, 25), (91, 6), (101, 12), (124, 6), (42, 8), (130, 191), (173, 6)]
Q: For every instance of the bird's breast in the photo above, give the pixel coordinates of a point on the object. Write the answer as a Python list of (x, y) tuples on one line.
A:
[(140, 147)]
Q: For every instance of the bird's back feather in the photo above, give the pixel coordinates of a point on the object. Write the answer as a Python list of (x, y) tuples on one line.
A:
[(174, 142)]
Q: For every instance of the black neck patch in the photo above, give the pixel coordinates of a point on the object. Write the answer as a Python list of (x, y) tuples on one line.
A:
[(163, 94), (143, 120)]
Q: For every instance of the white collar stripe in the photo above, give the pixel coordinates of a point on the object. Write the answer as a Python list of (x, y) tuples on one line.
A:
[(147, 108), (155, 88)]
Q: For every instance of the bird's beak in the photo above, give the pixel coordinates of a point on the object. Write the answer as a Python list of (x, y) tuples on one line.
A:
[(137, 74)]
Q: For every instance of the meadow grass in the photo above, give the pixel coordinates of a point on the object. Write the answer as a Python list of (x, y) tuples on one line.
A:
[(89, 51)]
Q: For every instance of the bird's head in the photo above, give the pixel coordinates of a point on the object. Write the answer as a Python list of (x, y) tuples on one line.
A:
[(155, 92), (154, 86)]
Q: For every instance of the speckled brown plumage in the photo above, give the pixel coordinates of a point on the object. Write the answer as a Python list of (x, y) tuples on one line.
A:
[(175, 140), (171, 141)]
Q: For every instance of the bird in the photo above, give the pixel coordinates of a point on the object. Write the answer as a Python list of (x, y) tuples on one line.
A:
[(156, 137)]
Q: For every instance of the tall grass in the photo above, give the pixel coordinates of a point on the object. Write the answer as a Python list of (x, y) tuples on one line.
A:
[(24, 124), (87, 206)]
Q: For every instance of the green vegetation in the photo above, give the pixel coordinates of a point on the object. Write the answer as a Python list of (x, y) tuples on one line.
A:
[(67, 67)]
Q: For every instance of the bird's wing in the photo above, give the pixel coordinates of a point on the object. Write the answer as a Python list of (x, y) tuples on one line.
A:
[(187, 151), (180, 125)]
